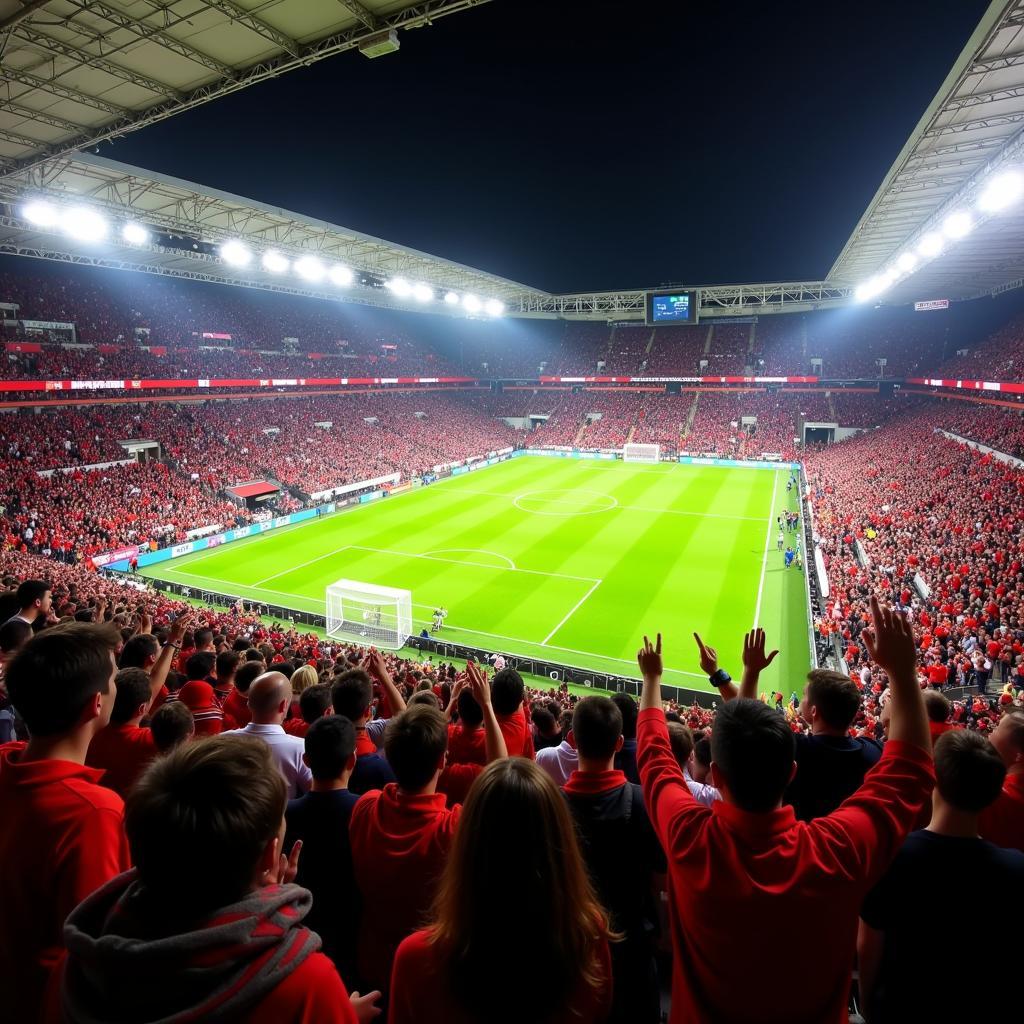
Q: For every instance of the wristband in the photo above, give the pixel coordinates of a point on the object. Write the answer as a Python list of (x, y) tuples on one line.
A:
[(719, 678), (177, 647)]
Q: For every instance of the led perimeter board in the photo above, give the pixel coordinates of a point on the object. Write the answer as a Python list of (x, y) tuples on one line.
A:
[(680, 306)]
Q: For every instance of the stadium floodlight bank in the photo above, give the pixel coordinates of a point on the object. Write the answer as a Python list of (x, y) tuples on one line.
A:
[(641, 453), (363, 613)]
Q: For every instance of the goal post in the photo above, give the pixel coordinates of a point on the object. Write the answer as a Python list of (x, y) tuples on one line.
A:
[(364, 613), (641, 453)]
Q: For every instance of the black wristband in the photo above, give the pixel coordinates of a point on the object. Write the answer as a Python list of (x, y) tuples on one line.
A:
[(719, 678)]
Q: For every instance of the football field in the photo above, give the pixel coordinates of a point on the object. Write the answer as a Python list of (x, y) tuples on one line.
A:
[(565, 560)]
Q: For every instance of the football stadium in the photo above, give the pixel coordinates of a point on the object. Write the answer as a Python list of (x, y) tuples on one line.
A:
[(400, 519)]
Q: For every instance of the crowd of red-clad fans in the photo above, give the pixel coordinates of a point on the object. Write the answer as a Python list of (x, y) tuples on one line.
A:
[(212, 816)]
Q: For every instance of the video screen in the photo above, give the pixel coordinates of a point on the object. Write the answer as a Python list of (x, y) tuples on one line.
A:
[(678, 307)]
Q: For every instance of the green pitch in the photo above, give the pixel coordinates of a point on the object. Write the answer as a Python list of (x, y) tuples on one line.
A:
[(565, 560)]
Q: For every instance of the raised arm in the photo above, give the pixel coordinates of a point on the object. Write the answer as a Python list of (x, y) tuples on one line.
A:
[(718, 677), (494, 741), (890, 642), (162, 666), (651, 668), (383, 676), (754, 662)]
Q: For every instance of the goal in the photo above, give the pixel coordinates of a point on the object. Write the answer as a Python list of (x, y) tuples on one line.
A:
[(364, 613), (641, 452)]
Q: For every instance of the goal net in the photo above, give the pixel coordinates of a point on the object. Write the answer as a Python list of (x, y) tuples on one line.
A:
[(641, 452), (363, 613)]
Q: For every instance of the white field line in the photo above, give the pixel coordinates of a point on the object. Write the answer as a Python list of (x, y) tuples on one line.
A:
[(767, 548), (481, 565), (222, 587), (479, 551), (301, 565), (624, 508), (568, 615)]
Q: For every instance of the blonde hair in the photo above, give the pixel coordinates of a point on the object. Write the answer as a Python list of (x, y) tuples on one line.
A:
[(303, 677)]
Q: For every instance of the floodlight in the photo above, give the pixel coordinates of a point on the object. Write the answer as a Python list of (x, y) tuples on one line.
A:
[(1002, 191), (309, 268), (451, 299), (863, 291), (135, 234), (39, 213), (84, 224), (422, 292), (889, 275), (956, 225), (341, 276), (494, 307), (235, 253), (274, 262), (930, 245), (471, 303), (400, 287), (907, 262)]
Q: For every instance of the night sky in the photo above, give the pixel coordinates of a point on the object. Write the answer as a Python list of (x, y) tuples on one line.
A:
[(580, 145)]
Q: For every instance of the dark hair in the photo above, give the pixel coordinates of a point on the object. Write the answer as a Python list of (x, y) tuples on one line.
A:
[(314, 702), (133, 689), (753, 747), (469, 711), (216, 801), (201, 637), (517, 824), (31, 591), (834, 695), (507, 691), (351, 694), (969, 772), (330, 742), (227, 663), (137, 649), (55, 675), (200, 664), (681, 740), (426, 697), (286, 668), (414, 743), (936, 706), (170, 725), (629, 711), (240, 646), (254, 654), (247, 674), (596, 727), (14, 633), (702, 751), (545, 722)]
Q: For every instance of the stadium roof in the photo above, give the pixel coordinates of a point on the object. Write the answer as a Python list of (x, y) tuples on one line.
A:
[(76, 72), (970, 131)]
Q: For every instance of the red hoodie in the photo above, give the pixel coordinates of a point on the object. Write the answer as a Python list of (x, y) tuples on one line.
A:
[(123, 752), (62, 837), (399, 847), (1002, 822)]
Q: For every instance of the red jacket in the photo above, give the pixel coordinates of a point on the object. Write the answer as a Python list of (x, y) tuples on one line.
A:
[(796, 884), (62, 837), (399, 847), (418, 983), (122, 752), (466, 746), (516, 730), (1002, 822), (198, 696), (236, 707)]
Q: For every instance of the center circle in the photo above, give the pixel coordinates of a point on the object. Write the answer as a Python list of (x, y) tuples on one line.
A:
[(573, 502)]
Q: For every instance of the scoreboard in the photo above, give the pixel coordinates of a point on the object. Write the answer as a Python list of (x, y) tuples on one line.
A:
[(679, 306)]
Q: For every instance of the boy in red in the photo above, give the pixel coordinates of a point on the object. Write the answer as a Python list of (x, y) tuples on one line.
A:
[(198, 694), (1002, 822), (163, 941), (748, 867), (123, 749), (62, 834), (400, 839), (508, 694)]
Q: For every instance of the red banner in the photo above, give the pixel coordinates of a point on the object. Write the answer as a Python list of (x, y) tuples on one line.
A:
[(23, 346), (221, 382), (1006, 387)]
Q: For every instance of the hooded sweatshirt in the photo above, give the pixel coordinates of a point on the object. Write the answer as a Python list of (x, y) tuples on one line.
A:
[(251, 961), (399, 846)]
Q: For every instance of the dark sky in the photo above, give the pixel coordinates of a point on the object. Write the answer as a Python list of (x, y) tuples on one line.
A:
[(578, 144)]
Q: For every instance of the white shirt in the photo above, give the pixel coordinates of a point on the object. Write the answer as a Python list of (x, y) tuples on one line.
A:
[(703, 794), (559, 762), (287, 753)]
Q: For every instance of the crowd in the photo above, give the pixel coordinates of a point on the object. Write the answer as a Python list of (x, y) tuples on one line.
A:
[(208, 816)]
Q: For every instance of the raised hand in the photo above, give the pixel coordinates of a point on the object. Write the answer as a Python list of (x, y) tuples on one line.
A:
[(890, 641), (479, 684), (365, 1007), (754, 658), (179, 626), (287, 867), (649, 659), (708, 656)]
